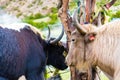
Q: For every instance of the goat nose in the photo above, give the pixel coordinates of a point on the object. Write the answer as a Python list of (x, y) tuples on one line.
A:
[(83, 75)]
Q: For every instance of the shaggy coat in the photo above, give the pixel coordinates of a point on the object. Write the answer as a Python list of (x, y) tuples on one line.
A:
[(24, 52)]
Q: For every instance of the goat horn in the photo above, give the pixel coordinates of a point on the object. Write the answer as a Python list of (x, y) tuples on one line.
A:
[(76, 22), (99, 19)]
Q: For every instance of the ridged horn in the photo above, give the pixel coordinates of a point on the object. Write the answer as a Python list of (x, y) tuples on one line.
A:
[(76, 22), (99, 19)]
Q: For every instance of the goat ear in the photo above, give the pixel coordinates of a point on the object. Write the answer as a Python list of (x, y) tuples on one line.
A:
[(90, 37)]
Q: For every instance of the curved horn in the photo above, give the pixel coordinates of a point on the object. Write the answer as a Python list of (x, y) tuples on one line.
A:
[(48, 36), (99, 19), (76, 22), (59, 38)]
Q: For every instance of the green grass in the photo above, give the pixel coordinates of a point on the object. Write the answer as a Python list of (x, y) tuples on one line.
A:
[(65, 74), (103, 77)]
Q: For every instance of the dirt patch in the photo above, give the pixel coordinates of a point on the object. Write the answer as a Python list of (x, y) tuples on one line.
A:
[(22, 8)]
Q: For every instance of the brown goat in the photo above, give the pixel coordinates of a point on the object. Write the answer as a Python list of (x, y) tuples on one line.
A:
[(93, 46)]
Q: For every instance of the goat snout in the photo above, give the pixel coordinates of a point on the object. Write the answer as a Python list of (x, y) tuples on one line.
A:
[(83, 75)]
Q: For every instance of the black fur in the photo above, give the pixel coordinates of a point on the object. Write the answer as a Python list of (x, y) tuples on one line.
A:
[(24, 53)]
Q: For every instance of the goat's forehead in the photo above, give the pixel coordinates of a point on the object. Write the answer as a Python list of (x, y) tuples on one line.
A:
[(75, 32), (15, 26), (88, 27)]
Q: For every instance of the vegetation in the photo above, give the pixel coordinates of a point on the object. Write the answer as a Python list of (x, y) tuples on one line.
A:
[(116, 15), (38, 21), (41, 21)]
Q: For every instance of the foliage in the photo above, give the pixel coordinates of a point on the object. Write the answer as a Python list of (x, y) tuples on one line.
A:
[(117, 14), (117, 3), (36, 16), (54, 10), (103, 2), (44, 8), (41, 24), (54, 18), (2, 7), (73, 4)]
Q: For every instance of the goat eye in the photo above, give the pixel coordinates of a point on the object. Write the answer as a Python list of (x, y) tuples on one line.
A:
[(73, 40)]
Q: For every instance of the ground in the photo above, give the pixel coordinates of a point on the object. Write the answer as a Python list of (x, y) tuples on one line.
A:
[(23, 8)]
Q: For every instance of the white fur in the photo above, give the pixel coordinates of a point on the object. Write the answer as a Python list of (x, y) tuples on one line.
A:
[(14, 26)]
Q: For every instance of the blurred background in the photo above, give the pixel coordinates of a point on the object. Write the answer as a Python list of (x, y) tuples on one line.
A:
[(44, 13)]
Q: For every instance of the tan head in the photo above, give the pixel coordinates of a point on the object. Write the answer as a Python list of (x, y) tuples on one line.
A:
[(81, 54)]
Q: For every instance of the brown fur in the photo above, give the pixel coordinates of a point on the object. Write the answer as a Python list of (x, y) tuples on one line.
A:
[(103, 52)]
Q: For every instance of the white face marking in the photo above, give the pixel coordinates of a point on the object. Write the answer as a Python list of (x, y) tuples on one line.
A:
[(15, 26)]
